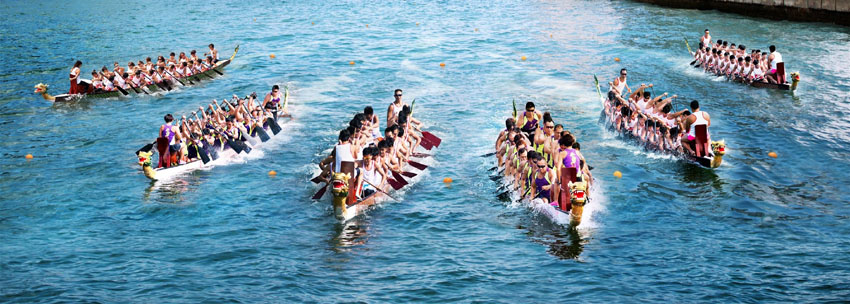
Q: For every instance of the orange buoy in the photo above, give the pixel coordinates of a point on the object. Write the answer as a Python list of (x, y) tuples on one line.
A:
[(272, 173), (29, 156), (255, 19), (523, 58), (417, 23), (312, 23), (773, 154), (476, 29), (550, 35), (447, 180), (617, 59), (271, 56), (351, 62), (367, 25), (618, 174), (442, 64)]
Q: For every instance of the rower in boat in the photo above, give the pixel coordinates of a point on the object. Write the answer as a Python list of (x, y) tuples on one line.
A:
[(193, 56), (213, 53), (373, 123), (171, 59), (544, 181), (706, 38), (529, 121), (369, 173), (775, 59), (75, 78)]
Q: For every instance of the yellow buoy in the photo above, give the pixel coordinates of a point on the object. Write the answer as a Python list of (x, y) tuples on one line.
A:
[(272, 173), (351, 62), (618, 174), (773, 154), (550, 35), (442, 64), (617, 59), (523, 58), (417, 23), (447, 180), (29, 156), (271, 56), (367, 25)]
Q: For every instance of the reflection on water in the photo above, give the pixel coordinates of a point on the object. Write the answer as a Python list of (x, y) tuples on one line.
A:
[(349, 234), (565, 243)]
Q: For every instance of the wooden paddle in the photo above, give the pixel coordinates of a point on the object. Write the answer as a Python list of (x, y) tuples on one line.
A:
[(260, 132), (409, 174), (120, 89), (432, 138), (321, 192), (175, 78), (395, 184), (417, 165), (380, 190), (272, 122), (399, 178)]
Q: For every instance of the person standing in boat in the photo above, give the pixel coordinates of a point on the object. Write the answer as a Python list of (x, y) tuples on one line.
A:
[(774, 58), (170, 131), (705, 39), (272, 101), (213, 53), (618, 85), (75, 78), (696, 118), (394, 108)]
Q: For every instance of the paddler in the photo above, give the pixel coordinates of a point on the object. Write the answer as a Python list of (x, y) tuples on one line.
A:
[(394, 108), (213, 53), (774, 58), (369, 173), (529, 121), (75, 78), (543, 139), (568, 158), (696, 118), (544, 180), (374, 124)]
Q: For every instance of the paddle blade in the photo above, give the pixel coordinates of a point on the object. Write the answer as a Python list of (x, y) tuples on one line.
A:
[(236, 146), (317, 179), (409, 174), (321, 193), (432, 138), (420, 155), (399, 178), (262, 134), (426, 144), (489, 154), (417, 165), (396, 185), (273, 125)]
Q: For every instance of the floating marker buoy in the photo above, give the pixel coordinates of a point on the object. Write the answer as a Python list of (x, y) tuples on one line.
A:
[(617, 59), (271, 56), (618, 174), (312, 23), (255, 19), (367, 25), (447, 180), (417, 23), (773, 154), (476, 29), (272, 173), (351, 62), (442, 64), (29, 156), (523, 58), (550, 35)]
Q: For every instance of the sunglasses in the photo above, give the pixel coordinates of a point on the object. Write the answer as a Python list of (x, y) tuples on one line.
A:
[(624, 74), (398, 95), (550, 127), (541, 166), (275, 91)]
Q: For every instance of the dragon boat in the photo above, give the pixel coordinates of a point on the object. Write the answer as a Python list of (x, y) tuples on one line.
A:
[(567, 200), (344, 198), (780, 72), (85, 85), (709, 153), (210, 155)]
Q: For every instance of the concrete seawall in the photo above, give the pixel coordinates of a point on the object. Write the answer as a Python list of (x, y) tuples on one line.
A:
[(834, 11)]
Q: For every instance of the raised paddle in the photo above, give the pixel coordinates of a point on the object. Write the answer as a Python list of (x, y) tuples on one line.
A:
[(321, 192)]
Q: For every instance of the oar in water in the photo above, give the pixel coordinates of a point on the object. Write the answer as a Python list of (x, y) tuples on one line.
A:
[(409, 174), (242, 131), (120, 89), (420, 155), (395, 184), (432, 138), (321, 191), (272, 122), (489, 154), (260, 132), (175, 77), (417, 165), (399, 178)]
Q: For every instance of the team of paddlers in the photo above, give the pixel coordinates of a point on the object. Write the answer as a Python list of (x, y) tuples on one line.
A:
[(232, 123), (143, 73), (733, 61), (379, 158)]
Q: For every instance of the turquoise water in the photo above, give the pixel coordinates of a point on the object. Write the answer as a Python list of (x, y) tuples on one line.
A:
[(79, 222)]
